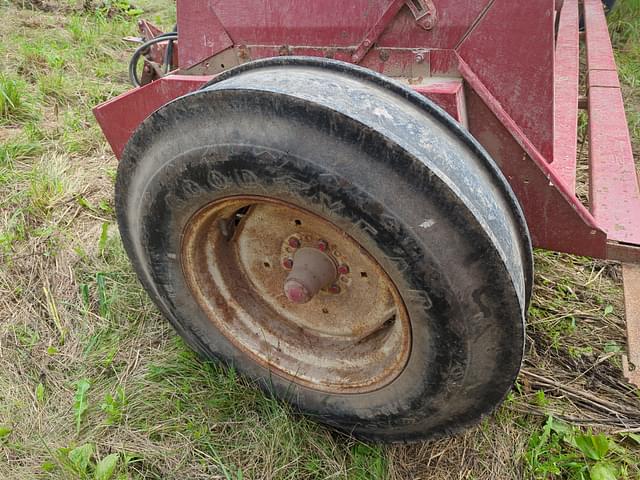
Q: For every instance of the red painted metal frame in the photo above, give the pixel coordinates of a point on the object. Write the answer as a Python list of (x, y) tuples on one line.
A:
[(613, 193), (511, 51), (515, 85), (556, 219), (120, 116), (202, 35), (566, 94)]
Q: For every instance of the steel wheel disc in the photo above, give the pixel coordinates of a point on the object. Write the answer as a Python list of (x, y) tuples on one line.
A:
[(353, 336)]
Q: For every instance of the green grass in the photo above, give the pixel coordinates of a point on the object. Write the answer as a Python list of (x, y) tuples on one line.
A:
[(15, 150), (94, 383), (15, 105)]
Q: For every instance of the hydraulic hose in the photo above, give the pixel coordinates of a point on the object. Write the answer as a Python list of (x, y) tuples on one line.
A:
[(133, 64)]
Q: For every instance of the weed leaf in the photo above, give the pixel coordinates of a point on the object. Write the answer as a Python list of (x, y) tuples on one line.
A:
[(106, 467), (633, 436), (612, 346), (40, 393), (594, 447), (104, 237), (80, 457), (561, 428), (84, 203), (113, 406), (49, 466), (541, 399), (80, 404), (603, 471), (4, 431), (84, 293)]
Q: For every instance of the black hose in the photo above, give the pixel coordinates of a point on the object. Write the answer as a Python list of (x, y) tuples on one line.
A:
[(168, 54), (133, 64)]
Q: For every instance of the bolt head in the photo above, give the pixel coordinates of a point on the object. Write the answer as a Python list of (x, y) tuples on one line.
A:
[(334, 289), (343, 269), (294, 242), (287, 263)]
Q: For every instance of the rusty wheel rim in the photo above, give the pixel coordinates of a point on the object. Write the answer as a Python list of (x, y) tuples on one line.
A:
[(352, 336)]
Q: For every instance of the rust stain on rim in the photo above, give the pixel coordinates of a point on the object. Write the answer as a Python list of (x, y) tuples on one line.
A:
[(352, 339)]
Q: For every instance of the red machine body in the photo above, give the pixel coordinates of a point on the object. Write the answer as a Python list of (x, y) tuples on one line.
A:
[(508, 71)]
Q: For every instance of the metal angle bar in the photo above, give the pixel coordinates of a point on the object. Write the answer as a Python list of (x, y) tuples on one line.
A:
[(599, 50), (475, 23), (448, 94), (614, 195), (565, 135), (623, 252), (374, 33)]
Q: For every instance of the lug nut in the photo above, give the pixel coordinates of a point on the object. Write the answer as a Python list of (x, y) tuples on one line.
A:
[(335, 289), (343, 269), (322, 245), (287, 263), (294, 242)]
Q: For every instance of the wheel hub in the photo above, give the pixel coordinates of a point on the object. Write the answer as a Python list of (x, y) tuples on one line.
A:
[(311, 271), (312, 304)]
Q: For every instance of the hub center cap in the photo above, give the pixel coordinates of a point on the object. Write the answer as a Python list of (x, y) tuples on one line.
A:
[(312, 271)]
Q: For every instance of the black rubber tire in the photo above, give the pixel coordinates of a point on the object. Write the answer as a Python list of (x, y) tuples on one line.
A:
[(389, 168)]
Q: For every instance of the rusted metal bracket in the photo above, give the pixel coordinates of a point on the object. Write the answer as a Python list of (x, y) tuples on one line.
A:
[(631, 283), (424, 11), (154, 58)]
